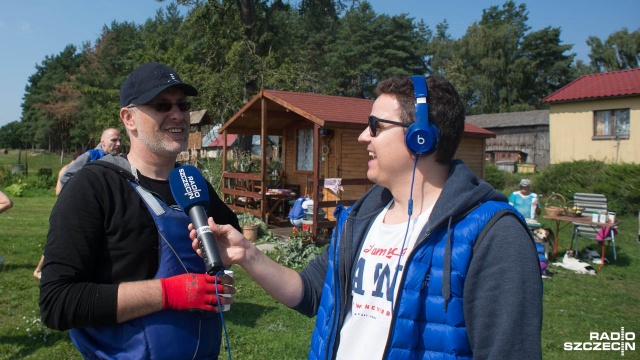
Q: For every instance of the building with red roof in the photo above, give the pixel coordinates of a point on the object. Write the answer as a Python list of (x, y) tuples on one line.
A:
[(596, 116)]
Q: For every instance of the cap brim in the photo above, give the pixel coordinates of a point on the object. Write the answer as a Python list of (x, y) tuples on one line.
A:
[(149, 95)]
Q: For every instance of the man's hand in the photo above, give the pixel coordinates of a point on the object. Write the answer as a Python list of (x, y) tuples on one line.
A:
[(195, 291), (233, 247)]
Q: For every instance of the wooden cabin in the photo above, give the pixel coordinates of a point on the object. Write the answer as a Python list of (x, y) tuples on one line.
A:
[(200, 121), (319, 145), (522, 138)]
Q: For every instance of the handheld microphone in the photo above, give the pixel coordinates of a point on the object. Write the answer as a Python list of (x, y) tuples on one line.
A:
[(189, 188)]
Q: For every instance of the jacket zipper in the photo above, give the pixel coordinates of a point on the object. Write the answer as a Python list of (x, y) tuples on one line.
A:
[(397, 301)]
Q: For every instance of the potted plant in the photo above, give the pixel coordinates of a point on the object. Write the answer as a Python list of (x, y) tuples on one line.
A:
[(249, 225), (244, 162), (274, 167), (303, 235), (274, 173)]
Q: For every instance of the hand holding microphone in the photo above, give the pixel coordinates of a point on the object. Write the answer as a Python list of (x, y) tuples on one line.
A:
[(189, 189), (236, 248)]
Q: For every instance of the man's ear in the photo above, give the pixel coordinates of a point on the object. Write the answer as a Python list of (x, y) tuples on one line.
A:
[(127, 116)]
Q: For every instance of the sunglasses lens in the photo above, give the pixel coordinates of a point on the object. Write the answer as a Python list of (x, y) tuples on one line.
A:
[(184, 106), (163, 106), (373, 125)]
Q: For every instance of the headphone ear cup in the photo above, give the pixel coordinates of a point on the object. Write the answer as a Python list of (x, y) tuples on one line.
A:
[(422, 140), (422, 136)]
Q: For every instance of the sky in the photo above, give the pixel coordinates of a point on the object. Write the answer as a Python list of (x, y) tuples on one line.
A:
[(30, 30)]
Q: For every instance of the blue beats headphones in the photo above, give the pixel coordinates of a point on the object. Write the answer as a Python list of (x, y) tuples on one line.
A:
[(422, 136)]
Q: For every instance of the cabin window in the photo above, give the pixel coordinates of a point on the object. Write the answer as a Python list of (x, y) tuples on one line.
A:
[(304, 150), (611, 124)]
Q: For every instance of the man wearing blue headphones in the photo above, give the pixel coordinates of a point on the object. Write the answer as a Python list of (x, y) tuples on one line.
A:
[(431, 262)]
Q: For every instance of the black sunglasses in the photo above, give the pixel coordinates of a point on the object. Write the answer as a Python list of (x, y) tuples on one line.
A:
[(373, 124), (165, 106)]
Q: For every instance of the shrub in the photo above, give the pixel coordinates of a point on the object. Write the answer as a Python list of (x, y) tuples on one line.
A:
[(16, 189), (246, 219), (494, 176), (293, 253), (212, 171), (503, 181), (620, 183), (42, 181)]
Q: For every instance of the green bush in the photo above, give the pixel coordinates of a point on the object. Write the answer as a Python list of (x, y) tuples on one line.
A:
[(503, 181), (494, 176), (42, 181), (212, 170), (620, 183), (15, 189), (293, 254)]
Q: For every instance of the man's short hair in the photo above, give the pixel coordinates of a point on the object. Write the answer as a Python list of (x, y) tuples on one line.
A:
[(446, 110)]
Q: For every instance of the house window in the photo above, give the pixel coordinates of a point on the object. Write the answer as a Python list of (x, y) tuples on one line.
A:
[(304, 150), (611, 124)]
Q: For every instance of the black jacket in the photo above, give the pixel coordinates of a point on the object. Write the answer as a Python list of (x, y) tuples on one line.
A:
[(101, 234)]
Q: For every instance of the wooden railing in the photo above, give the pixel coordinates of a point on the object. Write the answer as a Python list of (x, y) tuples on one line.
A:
[(243, 193)]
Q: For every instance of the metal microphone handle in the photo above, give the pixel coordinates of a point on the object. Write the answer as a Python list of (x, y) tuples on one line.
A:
[(207, 240)]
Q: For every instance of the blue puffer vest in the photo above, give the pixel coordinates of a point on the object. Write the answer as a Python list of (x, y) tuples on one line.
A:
[(428, 320)]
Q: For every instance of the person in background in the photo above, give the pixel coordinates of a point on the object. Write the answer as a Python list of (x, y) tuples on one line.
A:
[(527, 204), (525, 201), (63, 170), (109, 144), (5, 202), (445, 268), (296, 214), (119, 270)]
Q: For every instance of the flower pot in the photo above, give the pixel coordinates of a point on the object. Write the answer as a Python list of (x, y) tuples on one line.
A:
[(250, 232)]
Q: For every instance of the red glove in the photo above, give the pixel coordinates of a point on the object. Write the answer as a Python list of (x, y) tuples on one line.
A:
[(190, 291)]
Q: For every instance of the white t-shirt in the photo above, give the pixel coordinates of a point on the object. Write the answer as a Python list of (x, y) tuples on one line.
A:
[(366, 327)]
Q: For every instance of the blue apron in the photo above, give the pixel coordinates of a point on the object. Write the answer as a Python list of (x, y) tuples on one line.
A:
[(166, 334)]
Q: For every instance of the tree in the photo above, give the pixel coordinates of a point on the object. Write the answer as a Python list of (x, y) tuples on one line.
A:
[(351, 59), (544, 66), (371, 47), (10, 135), (104, 68), (621, 51), (46, 119), (490, 49), (505, 67)]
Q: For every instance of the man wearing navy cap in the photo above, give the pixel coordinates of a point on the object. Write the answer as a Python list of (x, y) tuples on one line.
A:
[(119, 269)]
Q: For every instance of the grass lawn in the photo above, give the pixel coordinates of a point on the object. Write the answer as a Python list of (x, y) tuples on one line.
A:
[(33, 160), (260, 328)]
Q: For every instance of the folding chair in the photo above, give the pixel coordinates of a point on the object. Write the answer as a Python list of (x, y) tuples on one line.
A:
[(591, 203)]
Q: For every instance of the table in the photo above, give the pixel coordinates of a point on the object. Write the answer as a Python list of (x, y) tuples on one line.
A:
[(276, 199), (585, 220)]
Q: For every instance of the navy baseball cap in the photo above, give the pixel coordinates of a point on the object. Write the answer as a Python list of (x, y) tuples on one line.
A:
[(147, 81)]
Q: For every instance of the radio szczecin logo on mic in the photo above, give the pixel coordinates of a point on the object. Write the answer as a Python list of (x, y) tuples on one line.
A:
[(190, 187)]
